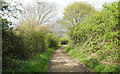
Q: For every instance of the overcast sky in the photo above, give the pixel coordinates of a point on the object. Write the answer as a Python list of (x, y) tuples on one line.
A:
[(61, 4)]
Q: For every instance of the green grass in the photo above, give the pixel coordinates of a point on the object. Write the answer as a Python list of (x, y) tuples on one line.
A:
[(39, 63), (61, 45), (92, 63)]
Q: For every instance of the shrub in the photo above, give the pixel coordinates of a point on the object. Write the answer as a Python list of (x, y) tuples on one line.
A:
[(24, 41), (67, 49), (53, 41), (64, 41)]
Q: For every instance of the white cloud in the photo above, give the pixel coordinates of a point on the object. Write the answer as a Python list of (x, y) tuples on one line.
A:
[(61, 4)]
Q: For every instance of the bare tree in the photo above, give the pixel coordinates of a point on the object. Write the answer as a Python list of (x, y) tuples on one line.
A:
[(41, 11), (57, 28)]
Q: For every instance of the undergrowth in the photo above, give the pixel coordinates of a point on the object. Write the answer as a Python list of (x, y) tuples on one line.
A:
[(93, 63), (38, 63)]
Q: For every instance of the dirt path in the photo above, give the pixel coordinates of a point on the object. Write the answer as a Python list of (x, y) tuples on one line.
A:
[(61, 62)]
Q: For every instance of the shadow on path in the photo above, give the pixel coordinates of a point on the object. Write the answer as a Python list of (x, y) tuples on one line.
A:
[(61, 62)]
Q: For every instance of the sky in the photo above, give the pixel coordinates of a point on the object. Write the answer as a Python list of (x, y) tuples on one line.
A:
[(61, 4)]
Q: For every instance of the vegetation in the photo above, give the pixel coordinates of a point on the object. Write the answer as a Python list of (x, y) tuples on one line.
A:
[(38, 63), (63, 41), (93, 36), (26, 40), (95, 40)]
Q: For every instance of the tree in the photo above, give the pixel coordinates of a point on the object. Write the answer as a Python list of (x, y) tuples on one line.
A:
[(58, 28), (10, 9), (42, 11), (76, 12)]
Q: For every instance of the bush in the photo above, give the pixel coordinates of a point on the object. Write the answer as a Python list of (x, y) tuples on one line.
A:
[(53, 41), (91, 63), (64, 41), (99, 33), (23, 42), (67, 49), (99, 68)]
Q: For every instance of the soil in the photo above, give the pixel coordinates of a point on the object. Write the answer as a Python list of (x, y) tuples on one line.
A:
[(62, 62)]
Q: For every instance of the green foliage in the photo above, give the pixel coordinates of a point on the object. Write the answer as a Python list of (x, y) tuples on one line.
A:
[(11, 42), (76, 12), (96, 38), (63, 41), (53, 41), (99, 68), (38, 63), (112, 68), (38, 37), (92, 63), (67, 49), (10, 64), (24, 41)]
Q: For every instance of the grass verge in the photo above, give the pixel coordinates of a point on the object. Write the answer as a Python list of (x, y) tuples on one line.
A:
[(92, 63), (39, 63)]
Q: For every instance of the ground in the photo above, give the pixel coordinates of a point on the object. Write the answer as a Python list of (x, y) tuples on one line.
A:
[(62, 62)]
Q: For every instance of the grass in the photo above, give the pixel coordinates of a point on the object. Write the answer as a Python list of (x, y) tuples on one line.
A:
[(39, 63), (92, 63), (61, 45)]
